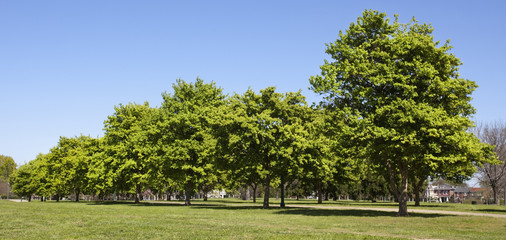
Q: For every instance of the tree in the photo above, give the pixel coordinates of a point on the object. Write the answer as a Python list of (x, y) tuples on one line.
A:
[(493, 175), (125, 164), (23, 182), (185, 132), (7, 168), (71, 161), (261, 135), (405, 88)]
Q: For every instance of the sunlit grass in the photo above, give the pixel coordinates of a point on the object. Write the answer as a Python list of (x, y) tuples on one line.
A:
[(230, 219)]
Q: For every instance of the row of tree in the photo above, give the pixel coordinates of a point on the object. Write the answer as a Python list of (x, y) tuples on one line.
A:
[(395, 108), (197, 138)]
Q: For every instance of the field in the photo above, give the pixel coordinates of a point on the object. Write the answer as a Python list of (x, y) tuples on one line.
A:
[(235, 219)]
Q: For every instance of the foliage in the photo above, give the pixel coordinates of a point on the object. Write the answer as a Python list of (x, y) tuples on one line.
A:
[(185, 132), (126, 165), (406, 90), (7, 167), (262, 137), (23, 183)]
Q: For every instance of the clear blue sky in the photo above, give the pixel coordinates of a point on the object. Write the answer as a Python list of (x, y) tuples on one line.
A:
[(64, 65)]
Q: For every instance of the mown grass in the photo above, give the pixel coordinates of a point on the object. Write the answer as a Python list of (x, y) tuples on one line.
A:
[(479, 208), (230, 220)]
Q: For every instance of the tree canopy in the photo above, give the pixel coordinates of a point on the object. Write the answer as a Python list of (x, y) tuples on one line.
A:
[(405, 87)]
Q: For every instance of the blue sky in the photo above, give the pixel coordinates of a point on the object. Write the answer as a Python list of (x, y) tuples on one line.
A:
[(64, 65)]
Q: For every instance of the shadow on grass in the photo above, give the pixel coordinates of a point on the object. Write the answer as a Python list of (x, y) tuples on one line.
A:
[(288, 211), (196, 204), (492, 210), (351, 212)]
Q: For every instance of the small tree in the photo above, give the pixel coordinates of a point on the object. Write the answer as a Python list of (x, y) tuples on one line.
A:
[(7, 168), (493, 175)]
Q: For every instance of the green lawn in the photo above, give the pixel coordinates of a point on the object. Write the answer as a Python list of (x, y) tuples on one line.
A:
[(480, 208), (231, 219)]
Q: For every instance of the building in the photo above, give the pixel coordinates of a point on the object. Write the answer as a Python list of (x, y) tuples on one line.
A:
[(449, 193)]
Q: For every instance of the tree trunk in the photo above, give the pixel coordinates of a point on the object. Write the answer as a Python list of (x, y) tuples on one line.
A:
[(282, 192), (57, 197), (267, 191), (137, 193), (205, 196), (402, 193), (418, 190), (254, 186), (403, 198), (320, 194), (496, 197), (188, 193), (77, 195)]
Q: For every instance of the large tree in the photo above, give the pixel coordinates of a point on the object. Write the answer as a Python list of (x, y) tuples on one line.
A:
[(262, 135), (125, 164), (406, 90), (185, 133)]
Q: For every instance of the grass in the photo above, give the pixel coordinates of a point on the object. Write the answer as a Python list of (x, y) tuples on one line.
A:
[(480, 208), (231, 219)]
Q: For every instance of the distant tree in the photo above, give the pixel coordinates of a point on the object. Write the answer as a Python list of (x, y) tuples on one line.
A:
[(71, 160), (406, 90), (23, 181), (493, 175), (7, 168), (41, 176)]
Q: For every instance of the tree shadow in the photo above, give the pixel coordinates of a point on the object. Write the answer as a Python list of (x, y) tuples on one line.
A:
[(351, 213), (142, 203), (491, 210)]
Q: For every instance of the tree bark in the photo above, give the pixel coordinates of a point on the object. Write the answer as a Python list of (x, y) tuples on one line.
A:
[(282, 204), (403, 198), (254, 186), (320, 197), (320, 194), (400, 193), (496, 197), (77, 194), (267, 191), (137, 193), (188, 193), (418, 190)]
